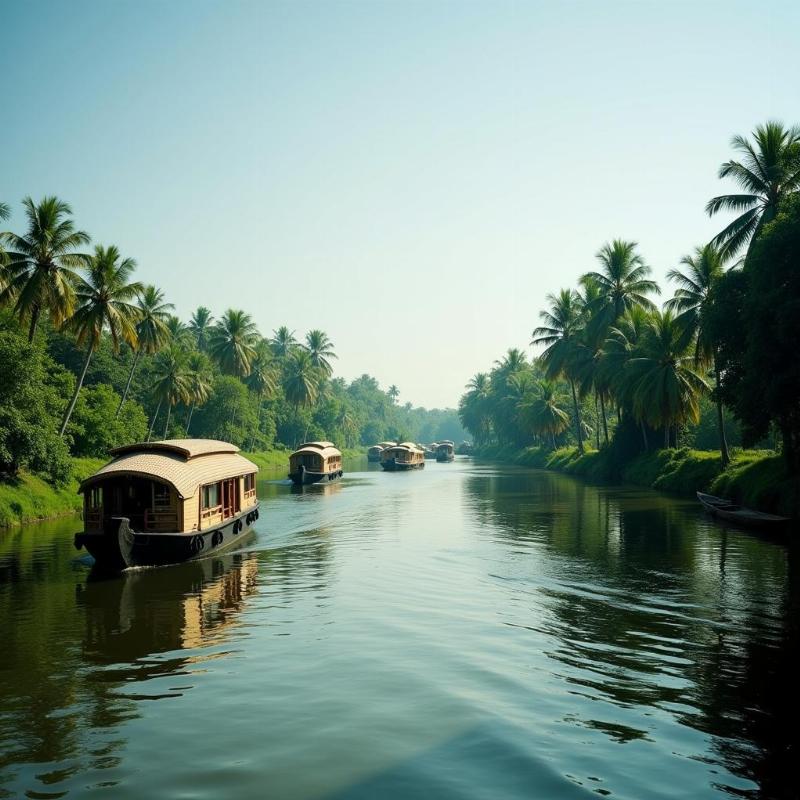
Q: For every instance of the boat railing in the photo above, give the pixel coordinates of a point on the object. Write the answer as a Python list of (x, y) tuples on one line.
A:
[(249, 494), (213, 511)]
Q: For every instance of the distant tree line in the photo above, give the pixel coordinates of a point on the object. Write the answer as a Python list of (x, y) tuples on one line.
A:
[(615, 367), (94, 358)]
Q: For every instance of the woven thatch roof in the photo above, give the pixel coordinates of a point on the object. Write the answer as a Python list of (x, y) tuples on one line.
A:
[(186, 464)]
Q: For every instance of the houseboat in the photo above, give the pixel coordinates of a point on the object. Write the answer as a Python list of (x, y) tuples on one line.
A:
[(165, 502), (403, 456), (445, 451), (315, 461), (374, 453)]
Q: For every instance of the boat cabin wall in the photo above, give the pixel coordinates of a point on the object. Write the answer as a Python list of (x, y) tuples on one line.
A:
[(149, 504), (216, 502), (314, 463)]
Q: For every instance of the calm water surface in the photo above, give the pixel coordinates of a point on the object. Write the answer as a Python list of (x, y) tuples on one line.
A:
[(464, 632)]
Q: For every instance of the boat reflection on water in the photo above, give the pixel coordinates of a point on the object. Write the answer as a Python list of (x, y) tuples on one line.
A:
[(148, 611)]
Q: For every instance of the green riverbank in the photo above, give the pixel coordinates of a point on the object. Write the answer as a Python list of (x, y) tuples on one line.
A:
[(30, 498), (754, 478)]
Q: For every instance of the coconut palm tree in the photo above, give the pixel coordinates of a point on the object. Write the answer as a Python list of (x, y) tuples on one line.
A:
[(5, 213), (283, 342), (560, 334), (171, 384), (151, 330), (198, 383), (590, 351), (263, 377), (544, 413), (200, 327), (664, 385), (179, 333), (301, 381), (393, 393), (768, 171), (104, 301), (620, 284), (691, 302), (233, 342), (42, 263), (473, 408), (320, 347)]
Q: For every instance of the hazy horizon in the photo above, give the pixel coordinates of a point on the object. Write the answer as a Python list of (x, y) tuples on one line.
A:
[(411, 178)]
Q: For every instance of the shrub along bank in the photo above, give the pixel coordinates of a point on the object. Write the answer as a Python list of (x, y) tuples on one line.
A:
[(758, 479)]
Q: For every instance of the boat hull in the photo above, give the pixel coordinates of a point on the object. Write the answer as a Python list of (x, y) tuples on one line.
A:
[(374, 458), (445, 459), (730, 512), (306, 478), (399, 466), (119, 547)]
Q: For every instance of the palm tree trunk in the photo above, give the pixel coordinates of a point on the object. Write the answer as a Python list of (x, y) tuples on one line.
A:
[(553, 438), (577, 416), (153, 421), (128, 384), (644, 435), (596, 421), (723, 441), (166, 424), (34, 322), (189, 418), (605, 422), (71, 406)]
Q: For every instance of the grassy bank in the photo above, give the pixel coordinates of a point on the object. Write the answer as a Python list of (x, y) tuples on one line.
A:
[(754, 478), (29, 498)]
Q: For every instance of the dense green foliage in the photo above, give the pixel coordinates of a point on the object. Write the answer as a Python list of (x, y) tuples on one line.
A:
[(91, 359), (718, 364), (756, 322)]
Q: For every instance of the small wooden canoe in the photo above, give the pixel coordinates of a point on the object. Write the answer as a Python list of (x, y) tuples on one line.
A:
[(725, 509)]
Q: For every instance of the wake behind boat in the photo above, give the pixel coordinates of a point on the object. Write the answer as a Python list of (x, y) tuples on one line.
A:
[(725, 509)]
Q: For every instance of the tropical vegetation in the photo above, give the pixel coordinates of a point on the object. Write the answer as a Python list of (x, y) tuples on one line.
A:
[(720, 355), (93, 358)]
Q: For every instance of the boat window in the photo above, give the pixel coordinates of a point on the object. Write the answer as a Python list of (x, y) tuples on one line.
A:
[(95, 497), (211, 495), (161, 498), (250, 482)]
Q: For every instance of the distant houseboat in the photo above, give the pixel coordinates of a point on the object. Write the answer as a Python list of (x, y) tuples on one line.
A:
[(315, 461), (445, 451), (430, 450), (166, 502), (403, 456), (374, 453)]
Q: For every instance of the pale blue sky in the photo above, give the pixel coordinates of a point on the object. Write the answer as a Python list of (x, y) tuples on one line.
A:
[(411, 177)]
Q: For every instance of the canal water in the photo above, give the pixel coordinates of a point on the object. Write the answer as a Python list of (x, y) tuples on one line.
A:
[(468, 631)]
